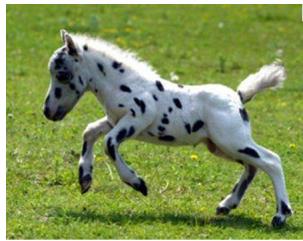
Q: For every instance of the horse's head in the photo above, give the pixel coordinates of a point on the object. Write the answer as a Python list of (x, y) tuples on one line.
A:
[(68, 81)]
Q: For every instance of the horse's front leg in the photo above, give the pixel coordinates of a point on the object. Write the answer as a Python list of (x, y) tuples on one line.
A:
[(128, 127), (92, 132)]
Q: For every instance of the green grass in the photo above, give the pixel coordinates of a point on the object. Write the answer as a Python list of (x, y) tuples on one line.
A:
[(202, 44)]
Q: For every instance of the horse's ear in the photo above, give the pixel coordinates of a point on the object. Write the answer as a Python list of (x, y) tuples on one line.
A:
[(69, 42), (63, 32)]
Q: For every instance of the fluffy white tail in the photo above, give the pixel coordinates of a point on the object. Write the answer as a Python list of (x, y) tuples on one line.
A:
[(269, 76)]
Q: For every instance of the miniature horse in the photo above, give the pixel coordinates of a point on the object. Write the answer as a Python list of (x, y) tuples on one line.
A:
[(139, 104)]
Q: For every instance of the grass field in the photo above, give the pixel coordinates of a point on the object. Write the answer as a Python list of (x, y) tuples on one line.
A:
[(201, 44)]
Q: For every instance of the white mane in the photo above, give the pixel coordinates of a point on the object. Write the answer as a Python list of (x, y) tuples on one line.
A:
[(113, 52)]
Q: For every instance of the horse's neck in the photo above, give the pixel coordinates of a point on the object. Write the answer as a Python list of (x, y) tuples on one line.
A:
[(104, 79)]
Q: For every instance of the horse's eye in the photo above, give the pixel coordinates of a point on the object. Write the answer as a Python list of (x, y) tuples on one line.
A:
[(64, 76)]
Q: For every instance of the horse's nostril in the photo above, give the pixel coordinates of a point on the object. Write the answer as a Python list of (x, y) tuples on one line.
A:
[(46, 111)]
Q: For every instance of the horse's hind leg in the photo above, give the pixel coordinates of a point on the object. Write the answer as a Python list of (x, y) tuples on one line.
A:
[(233, 199), (233, 138), (92, 132), (257, 156)]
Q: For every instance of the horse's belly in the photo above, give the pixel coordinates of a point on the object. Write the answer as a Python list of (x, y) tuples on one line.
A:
[(178, 136)]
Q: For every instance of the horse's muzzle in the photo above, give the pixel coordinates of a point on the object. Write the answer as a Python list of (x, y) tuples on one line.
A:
[(59, 114)]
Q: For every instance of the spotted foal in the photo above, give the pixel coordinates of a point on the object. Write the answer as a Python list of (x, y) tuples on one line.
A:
[(139, 104)]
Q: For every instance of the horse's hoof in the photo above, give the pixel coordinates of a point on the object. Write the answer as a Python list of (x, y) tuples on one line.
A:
[(85, 183), (140, 187), (277, 222), (222, 210)]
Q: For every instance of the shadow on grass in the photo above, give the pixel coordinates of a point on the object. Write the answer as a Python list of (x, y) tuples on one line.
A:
[(234, 221)]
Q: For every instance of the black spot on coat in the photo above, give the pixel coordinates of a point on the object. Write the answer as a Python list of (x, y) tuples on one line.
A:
[(125, 88), (116, 65), (64, 76), (244, 114), (121, 135), (111, 149), (178, 103), (250, 152), (58, 93), (80, 80), (85, 47), (59, 63), (170, 109), (131, 131), (84, 147), (247, 181), (155, 97), (133, 112), (187, 127), (72, 86), (101, 68), (165, 121), (159, 85), (197, 125), (161, 128), (141, 104)]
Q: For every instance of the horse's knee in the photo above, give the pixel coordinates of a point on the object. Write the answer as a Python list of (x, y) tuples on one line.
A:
[(90, 133), (277, 160), (272, 163), (270, 155)]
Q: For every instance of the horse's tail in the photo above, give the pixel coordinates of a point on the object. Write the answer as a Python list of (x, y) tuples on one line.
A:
[(269, 76)]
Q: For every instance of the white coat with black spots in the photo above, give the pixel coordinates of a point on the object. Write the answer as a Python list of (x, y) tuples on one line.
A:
[(139, 104)]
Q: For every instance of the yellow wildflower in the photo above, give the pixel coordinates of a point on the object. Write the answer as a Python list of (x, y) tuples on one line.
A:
[(194, 157)]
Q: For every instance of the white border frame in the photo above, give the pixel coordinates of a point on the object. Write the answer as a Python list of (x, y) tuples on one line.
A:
[(152, 2), (3, 120), (3, 4)]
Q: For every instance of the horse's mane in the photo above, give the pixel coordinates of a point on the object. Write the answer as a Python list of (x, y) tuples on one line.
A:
[(113, 52)]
